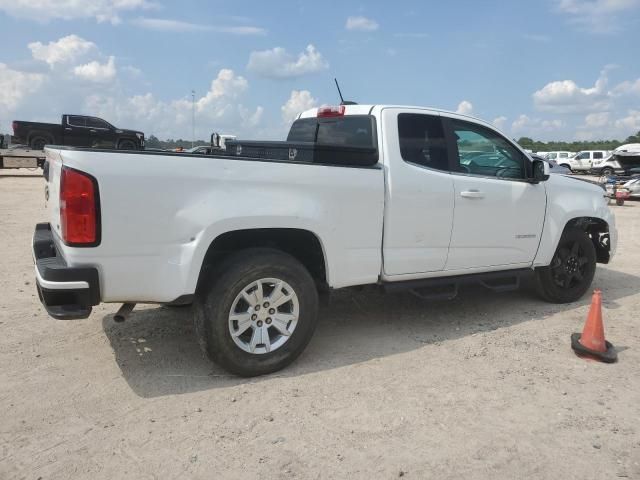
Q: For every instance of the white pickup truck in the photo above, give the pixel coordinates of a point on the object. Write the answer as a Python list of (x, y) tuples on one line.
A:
[(400, 197)]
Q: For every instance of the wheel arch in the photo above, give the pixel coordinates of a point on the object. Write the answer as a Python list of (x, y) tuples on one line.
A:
[(598, 231), (39, 133), (302, 244)]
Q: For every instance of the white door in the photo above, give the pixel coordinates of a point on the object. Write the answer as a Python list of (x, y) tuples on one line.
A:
[(498, 215), (419, 198), (583, 161)]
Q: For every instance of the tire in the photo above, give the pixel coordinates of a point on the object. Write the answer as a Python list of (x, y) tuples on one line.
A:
[(607, 171), (571, 271), (567, 167), (619, 202), (223, 294), (37, 142), (127, 145)]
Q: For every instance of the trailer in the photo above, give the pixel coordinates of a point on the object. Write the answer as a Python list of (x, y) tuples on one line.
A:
[(21, 158)]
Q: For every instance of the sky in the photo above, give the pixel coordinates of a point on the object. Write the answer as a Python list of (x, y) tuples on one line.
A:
[(546, 69)]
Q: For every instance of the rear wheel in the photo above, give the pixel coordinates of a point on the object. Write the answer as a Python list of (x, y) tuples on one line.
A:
[(257, 312), (607, 171), (571, 271), (567, 167), (38, 142)]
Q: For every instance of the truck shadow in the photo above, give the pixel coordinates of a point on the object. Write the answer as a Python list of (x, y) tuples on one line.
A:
[(158, 354)]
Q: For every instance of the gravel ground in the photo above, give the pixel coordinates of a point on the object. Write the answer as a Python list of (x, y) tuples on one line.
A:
[(484, 386)]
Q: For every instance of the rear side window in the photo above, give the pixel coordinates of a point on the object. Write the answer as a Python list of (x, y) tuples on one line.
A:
[(597, 155), (349, 131), (422, 140)]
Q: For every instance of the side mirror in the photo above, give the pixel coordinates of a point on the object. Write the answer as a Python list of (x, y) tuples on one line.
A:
[(541, 171)]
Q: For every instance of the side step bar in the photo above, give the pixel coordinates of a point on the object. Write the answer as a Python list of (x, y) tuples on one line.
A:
[(446, 288)]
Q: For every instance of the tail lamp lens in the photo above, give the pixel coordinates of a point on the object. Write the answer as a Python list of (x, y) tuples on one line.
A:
[(78, 208)]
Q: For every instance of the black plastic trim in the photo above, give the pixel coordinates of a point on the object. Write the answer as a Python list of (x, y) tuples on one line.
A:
[(484, 279), (62, 304)]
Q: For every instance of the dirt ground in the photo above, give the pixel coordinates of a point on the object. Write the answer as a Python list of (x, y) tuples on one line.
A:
[(485, 386)]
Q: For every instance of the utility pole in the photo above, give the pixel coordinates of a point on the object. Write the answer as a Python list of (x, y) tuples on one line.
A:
[(193, 117)]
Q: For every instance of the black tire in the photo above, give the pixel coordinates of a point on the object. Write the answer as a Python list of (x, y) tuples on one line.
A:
[(571, 271), (127, 145), (216, 297), (37, 142), (608, 171)]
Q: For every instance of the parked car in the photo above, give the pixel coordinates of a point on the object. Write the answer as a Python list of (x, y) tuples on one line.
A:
[(553, 165), (561, 157), (366, 195), (633, 187), (610, 165), (77, 131), (584, 160)]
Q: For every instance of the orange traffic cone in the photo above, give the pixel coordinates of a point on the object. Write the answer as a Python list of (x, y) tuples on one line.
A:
[(591, 343)]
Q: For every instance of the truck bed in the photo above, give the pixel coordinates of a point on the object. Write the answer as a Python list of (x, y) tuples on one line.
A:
[(161, 211)]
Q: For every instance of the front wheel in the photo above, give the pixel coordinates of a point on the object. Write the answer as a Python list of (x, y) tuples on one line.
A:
[(607, 172), (257, 312), (571, 271), (127, 145)]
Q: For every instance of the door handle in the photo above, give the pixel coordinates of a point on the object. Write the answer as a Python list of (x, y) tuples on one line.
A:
[(92, 131), (68, 129), (472, 194)]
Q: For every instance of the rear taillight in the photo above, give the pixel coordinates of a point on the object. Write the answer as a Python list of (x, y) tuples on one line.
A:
[(79, 209), (331, 111)]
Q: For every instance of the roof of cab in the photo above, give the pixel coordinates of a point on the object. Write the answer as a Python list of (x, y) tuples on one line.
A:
[(368, 109)]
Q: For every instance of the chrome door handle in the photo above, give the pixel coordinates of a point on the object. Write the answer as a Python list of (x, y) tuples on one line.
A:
[(92, 131), (472, 194)]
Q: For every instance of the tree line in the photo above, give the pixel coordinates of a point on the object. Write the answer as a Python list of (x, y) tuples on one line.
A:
[(538, 146)]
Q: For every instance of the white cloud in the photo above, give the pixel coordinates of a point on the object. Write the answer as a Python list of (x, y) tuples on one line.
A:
[(168, 25), (597, 16), (99, 10), (465, 108), (566, 96), (361, 24), (278, 63), (595, 120), (96, 71), (630, 123), (218, 109), (628, 87), (534, 126), (16, 85), (500, 122), (66, 49), (299, 101)]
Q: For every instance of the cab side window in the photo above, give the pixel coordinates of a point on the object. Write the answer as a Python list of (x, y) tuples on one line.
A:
[(598, 155), (97, 123), (422, 140), (583, 156), (76, 121), (483, 152)]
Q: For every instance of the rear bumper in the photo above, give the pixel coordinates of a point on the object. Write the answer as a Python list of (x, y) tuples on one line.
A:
[(67, 293)]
